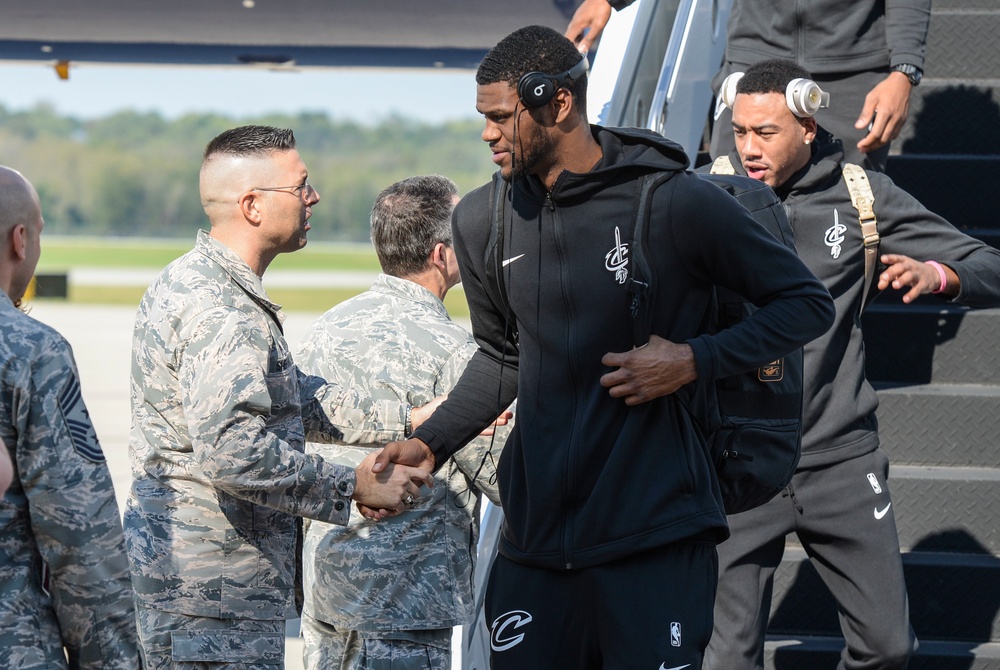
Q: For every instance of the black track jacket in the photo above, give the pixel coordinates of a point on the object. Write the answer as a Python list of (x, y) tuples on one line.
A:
[(585, 479)]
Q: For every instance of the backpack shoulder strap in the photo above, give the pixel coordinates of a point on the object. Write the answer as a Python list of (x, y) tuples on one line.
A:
[(723, 165), (642, 283), (864, 201), (493, 257)]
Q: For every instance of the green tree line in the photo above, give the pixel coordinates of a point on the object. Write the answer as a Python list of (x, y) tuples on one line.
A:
[(136, 174)]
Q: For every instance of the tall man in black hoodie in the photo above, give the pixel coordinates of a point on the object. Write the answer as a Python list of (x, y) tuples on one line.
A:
[(607, 557), (838, 503)]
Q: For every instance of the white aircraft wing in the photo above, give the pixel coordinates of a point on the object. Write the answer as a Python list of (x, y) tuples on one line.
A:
[(382, 33)]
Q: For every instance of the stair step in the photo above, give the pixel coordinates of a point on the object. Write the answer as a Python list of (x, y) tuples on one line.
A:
[(962, 189), (940, 424), (959, 5), (952, 116), (953, 596), (942, 344), (807, 653), (961, 42), (929, 501)]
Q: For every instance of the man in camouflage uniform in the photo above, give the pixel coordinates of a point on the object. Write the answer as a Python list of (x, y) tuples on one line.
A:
[(381, 594), (64, 579), (219, 418)]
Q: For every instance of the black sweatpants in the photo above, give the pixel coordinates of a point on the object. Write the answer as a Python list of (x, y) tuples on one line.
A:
[(647, 611), (842, 515)]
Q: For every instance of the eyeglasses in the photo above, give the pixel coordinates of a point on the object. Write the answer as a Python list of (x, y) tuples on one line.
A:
[(303, 190)]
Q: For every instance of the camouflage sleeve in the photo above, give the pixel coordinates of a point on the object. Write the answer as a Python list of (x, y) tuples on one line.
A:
[(74, 516), (331, 412), (477, 459), (223, 375), (6, 469)]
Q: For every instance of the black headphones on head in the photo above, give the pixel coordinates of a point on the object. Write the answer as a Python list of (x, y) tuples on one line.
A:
[(537, 88)]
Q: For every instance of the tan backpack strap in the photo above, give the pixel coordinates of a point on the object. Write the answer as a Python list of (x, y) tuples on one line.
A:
[(864, 201), (723, 165)]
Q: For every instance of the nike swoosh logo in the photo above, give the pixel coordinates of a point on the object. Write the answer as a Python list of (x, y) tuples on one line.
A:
[(663, 666), (881, 513), (505, 264)]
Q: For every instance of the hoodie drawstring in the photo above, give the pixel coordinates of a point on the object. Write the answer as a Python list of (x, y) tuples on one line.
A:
[(789, 492)]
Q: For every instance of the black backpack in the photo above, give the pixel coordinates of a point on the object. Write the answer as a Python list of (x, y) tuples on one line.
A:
[(752, 422)]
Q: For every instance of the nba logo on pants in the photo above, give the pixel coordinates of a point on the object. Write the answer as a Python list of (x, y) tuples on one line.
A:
[(675, 634)]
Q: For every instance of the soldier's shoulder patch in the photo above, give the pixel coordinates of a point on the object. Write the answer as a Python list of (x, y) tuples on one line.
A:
[(78, 422)]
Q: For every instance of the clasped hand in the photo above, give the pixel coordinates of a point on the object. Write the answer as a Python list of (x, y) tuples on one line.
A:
[(407, 457)]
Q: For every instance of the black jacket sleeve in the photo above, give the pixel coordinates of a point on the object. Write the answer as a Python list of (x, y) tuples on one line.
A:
[(724, 245), (489, 383)]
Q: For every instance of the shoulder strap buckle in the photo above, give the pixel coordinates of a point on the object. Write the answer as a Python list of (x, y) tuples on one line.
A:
[(863, 200)]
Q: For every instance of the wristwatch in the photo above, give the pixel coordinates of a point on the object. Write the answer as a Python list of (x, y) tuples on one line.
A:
[(912, 72)]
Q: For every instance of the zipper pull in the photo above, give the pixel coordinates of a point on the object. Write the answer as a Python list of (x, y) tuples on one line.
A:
[(548, 201), (637, 289)]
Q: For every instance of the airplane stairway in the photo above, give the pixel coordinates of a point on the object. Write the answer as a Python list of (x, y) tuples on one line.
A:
[(937, 371)]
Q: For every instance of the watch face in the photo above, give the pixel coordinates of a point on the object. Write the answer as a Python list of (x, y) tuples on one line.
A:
[(912, 72)]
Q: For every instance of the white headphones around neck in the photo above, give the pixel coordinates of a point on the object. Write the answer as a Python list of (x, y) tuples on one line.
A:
[(803, 96)]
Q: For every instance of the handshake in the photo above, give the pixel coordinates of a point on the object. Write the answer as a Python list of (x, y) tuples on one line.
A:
[(388, 480)]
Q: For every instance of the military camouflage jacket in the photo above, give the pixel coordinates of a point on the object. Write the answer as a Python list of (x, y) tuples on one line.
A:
[(219, 416), (64, 578), (411, 571)]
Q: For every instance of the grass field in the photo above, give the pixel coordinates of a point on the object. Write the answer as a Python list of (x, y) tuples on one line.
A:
[(63, 253), (60, 254)]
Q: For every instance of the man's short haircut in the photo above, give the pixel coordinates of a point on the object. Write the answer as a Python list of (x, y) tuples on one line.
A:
[(532, 49), (255, 141), (408, 219), (770, 76)]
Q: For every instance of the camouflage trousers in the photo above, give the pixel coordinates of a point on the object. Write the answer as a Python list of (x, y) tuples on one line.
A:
[(327, 648), (171, 641)]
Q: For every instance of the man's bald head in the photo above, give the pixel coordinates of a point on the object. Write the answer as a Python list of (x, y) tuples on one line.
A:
[(18, 202), (20, 232), (238, 160)]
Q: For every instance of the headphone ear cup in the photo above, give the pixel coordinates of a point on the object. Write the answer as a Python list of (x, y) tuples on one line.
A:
[(535, 89), (727, 93), (805, 97)]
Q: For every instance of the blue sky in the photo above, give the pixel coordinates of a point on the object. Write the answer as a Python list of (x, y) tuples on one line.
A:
[(362, 95)]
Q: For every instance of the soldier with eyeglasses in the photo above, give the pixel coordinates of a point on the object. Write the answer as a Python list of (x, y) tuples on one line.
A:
[(220, 415)]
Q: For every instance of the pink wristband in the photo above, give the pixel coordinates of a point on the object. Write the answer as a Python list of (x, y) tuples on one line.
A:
[(941, 274)]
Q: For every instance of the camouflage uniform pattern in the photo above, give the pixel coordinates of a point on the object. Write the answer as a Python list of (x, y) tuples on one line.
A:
[(181, 642), (64, 576), (413, 571), (219, 417), (326, 647)]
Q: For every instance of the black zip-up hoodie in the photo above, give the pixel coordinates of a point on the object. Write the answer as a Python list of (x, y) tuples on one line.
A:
[(585, 479), (838, 406)]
